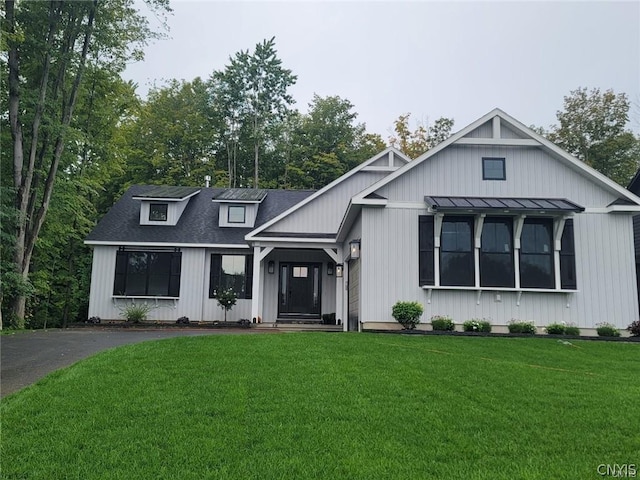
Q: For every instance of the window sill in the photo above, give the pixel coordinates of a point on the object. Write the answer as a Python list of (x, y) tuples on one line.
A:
[(114, 298), (479, 290)]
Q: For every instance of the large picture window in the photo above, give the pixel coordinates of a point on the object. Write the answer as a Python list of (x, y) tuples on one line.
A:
[(456, 251), (536, 253), (231, 271), (148, 274), (496, 253)]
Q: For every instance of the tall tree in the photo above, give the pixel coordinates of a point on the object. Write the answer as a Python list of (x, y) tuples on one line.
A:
[(255, 87), (424, 137), (593, 127), (328, 141), (171, 138), (49, 46)]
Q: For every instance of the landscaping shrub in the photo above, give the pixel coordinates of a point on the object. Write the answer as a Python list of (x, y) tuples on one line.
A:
[(442, 323), (226, 300), (328, 318), (477, 325), (407, 314), (634, 328), (572, 330), (606, 329), (516, 326), (183, 321), (556, 329), (136, 313)]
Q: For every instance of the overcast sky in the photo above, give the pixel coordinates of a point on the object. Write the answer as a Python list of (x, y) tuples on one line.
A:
[(454, 59)]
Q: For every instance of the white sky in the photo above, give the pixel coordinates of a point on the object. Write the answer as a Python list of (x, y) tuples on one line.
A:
[(454, 59)]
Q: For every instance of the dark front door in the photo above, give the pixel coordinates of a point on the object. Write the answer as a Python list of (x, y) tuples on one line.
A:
[(299, 290)]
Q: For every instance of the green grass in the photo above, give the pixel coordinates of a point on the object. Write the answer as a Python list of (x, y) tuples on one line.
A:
[(330, 406)]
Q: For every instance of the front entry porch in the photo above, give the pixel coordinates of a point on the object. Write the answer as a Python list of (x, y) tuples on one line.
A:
[(300, 290), (296, 286)]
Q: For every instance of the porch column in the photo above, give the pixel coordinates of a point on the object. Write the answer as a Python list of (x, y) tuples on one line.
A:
[(259, 254), (340, 313), (256, 295)]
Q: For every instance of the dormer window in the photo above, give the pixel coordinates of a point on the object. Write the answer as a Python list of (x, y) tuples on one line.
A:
[(158, 212), (163, 205), (238, 206), (236, 214)]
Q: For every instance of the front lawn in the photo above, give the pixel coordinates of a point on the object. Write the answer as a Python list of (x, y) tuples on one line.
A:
[(318, 405)]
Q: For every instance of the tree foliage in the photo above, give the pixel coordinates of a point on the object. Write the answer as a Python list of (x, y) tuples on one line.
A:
[(51, 46), (593, 127), (424, 137), (253, 95)]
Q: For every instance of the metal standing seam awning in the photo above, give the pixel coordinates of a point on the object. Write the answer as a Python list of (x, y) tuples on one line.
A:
[(549, 206)]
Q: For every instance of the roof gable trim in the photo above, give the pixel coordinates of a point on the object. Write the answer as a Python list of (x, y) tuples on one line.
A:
[(391, 150)]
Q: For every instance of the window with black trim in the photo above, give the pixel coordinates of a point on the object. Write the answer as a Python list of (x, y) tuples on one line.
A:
[(236, 214), (148, 274), (231, 272), (158, 212), (536, 254), (456, 251), (493, 169), (496, 253)]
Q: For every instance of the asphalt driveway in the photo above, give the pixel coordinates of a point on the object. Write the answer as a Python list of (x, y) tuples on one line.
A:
[(26, 357)]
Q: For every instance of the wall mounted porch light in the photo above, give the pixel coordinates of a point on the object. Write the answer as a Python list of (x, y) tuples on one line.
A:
[(330, 268), (271, 267), (354, 249), (339, 268)]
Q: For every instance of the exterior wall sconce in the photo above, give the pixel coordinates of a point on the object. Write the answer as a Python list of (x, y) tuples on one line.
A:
[(330, 268), (271, 267), (354, 249), (339, 270)]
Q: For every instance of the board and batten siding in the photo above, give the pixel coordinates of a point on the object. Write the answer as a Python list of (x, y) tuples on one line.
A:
[(606, 276), (324, 213), (530, 172), (194, 301)]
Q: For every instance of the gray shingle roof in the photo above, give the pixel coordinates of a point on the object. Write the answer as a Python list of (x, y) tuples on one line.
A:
[(198, 223)]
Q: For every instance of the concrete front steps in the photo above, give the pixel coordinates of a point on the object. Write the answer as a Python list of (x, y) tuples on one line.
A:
[(298, 326)]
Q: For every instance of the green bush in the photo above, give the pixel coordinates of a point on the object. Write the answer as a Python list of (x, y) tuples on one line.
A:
[(607, 330), (136, 312), (442, 323), (477, 325), (407, 314), (329, 318), (571, 330), (556, 329), (516, 326)]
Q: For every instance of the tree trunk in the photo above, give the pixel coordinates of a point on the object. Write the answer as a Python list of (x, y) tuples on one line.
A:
[(29, 225), (256, 151)]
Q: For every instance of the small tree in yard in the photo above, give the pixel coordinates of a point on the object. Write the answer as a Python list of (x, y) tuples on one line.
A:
[(407, 314), (227, 299)]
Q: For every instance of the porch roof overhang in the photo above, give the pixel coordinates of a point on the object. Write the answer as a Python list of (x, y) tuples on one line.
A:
[(506, 205)]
